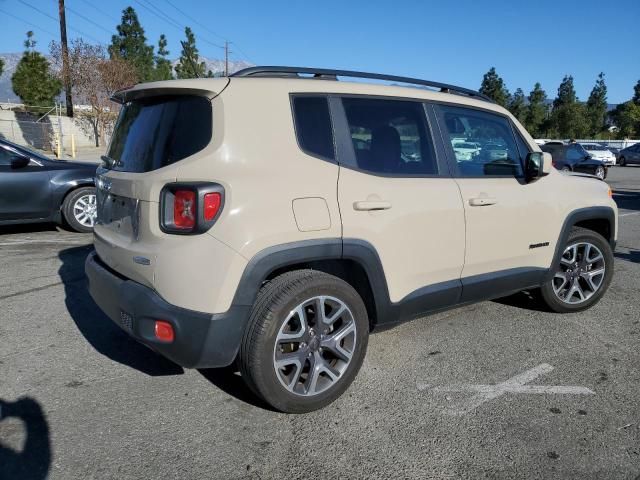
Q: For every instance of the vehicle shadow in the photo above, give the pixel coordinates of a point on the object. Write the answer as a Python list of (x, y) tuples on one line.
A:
[(28, 228), (230, 381), (97, 328), (627, 199), (633, 256), (527, 300), (34, 460)]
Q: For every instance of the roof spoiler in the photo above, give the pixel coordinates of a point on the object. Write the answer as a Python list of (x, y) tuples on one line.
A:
[(128, 94)]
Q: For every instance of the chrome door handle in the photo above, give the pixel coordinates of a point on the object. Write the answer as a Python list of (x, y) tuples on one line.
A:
[(371, 205), (482, 201)]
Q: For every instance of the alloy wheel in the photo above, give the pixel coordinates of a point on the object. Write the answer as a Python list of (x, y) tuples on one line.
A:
[(314, 345), (85, 209), (600, 172), (580, 274)]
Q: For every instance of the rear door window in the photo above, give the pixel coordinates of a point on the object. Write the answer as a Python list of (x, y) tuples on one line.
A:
[(575, 153), (390, 136), (155, 132)]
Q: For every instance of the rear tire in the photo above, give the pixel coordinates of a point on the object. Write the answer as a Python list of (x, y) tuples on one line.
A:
[(622, 162), (576, 284), (296, 361), (566, 169), (79, 209)]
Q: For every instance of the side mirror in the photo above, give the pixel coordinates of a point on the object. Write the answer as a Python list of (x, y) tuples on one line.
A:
[(18, 161), (537, 164)]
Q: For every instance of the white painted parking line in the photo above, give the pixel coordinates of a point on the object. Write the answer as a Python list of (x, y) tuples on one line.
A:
[(484, 393), (627, 214), (13, 243)]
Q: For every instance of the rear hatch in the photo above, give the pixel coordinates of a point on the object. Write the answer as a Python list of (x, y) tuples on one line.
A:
[(156, 129)]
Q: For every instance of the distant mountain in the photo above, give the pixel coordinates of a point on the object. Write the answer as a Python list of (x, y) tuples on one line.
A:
[(11, 62)]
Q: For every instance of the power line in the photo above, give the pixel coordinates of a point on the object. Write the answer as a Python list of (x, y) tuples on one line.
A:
[(56, 20), (168, 20), (92, 5), (53, 35), (189, 17), (165, 18), (196, 21), (88, 20)]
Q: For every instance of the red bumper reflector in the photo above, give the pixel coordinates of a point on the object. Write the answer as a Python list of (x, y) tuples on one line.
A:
[(212, 203), (164, 331)]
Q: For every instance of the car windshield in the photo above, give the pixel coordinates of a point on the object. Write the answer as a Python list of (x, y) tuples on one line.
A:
[(465, 145), (26, 151)]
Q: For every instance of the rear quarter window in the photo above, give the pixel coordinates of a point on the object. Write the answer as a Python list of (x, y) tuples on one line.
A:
[(155, 132), (313, 125)]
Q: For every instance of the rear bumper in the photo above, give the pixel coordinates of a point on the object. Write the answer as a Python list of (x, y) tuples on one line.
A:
[(202, 340)]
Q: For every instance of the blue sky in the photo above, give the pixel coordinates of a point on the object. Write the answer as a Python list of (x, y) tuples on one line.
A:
[(447, 41)]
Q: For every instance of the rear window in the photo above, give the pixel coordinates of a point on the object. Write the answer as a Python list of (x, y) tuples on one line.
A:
[(154, 132), (313, 126)]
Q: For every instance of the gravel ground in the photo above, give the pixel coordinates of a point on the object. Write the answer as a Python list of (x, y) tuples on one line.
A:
[(80, 400)]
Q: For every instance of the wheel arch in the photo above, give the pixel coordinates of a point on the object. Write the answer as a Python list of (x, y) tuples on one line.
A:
[(601, 220), (353, 261), (62, 192)]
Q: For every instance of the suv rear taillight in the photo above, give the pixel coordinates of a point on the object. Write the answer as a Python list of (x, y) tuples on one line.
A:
[(190, 208)]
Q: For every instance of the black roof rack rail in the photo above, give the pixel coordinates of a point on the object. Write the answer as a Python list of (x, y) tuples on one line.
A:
[(330, 74)]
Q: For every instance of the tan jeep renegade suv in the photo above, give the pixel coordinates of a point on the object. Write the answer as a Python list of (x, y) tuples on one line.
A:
[(276, 217)]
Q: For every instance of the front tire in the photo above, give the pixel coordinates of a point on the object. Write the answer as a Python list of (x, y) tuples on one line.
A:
[(582, 275), (622, 162), (600, 172), (305, 342), (79, 209)]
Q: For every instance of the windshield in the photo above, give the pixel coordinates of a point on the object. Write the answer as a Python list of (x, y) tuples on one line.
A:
[(158, 131), (465, 145), (27, 152)]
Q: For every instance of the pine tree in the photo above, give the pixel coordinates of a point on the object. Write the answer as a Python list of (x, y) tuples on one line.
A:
[(636, 93), (189, 65), (518, 105), (627, 118), (32, 81), (536, 111), (597, 106), (163, 70), (566, 93), (493, 86), (568, 115), (131, 45)]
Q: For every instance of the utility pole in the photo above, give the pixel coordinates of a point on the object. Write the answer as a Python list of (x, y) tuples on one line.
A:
[(65, 58), (226, 58)]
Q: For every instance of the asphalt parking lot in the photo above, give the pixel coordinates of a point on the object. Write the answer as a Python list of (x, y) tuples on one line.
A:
[(500, 389)]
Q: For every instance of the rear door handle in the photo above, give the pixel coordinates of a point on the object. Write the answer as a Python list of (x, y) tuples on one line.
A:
[(371, 205), (482, 201)]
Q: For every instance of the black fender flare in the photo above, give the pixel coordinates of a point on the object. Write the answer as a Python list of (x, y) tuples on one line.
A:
[(577, 216)]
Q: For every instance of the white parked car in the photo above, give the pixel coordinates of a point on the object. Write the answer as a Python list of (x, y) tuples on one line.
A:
[(465, 150), (600, 152)]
